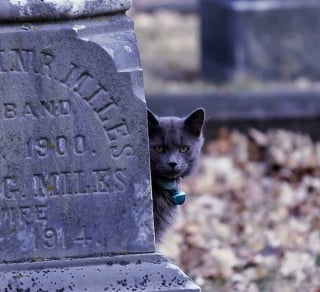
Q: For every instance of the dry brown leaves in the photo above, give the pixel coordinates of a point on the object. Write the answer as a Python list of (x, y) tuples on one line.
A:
[(252, 219)]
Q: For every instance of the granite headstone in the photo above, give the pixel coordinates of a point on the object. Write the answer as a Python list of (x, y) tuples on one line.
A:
[(260, 39), (75, 198)]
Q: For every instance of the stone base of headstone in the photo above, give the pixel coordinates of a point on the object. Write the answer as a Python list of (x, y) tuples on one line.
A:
[(264, 40), (143, 272)]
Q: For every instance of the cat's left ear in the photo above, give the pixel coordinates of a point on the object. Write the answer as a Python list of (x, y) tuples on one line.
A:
[(194, 122)]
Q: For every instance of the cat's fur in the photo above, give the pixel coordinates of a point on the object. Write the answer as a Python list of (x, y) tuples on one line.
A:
[(174, 136)]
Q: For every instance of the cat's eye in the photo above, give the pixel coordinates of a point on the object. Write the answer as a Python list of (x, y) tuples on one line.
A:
[(184, 149), (159, 148)]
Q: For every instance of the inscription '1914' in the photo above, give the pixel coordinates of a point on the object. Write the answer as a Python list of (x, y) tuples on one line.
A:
[(44, 238), (51, 238)]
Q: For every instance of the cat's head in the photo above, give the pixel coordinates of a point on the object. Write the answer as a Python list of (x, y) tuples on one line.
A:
[(175, 144)]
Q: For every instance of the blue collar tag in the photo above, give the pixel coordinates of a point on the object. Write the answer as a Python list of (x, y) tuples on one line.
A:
[(178, 197)]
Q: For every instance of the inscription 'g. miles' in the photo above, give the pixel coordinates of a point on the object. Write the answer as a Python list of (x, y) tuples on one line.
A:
[(74, 183), (65, 183)]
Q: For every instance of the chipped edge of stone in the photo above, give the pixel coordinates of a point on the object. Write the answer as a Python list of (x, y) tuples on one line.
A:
[(29, 10)]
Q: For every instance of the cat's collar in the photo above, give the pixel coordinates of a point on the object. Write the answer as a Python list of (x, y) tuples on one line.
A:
[(172, 186)]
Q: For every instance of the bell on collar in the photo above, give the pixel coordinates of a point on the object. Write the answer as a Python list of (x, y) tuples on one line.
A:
[(178, 197)]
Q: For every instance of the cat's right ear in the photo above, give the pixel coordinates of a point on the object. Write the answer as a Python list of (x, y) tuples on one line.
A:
[(153, 122), (194, 122), (152, 119)]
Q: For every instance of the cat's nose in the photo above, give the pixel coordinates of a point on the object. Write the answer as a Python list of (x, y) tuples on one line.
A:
[(172, 164)]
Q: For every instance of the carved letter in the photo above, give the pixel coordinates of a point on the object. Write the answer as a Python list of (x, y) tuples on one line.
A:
[(9, 110), (23, 59), (2, 62), (10, 187), (116, 131), (46, 59), (102, 178), (28, 111)]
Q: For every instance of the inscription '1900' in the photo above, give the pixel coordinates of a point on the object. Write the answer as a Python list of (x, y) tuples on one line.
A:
[(58, 146)]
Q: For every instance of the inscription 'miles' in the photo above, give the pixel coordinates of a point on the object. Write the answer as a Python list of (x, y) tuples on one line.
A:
[(66, 183)]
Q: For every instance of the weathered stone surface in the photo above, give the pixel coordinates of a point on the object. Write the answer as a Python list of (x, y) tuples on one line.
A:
[(74, 153), (15, 10), (265, 40), (148, 273)]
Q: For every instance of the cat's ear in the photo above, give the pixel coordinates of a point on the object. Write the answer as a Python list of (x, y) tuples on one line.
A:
[(153, 122), (193, 123), (152, 119)]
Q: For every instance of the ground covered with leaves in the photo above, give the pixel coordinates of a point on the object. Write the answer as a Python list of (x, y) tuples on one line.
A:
[(252, 218)]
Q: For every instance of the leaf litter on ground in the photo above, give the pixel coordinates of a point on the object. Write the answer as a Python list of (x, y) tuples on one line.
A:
[(252, 218)]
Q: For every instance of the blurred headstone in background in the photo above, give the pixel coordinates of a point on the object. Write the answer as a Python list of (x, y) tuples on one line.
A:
[(260, 39), (183, 6)]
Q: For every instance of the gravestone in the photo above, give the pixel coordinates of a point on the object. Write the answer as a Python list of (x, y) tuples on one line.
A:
[(76, 208), (260, 39)]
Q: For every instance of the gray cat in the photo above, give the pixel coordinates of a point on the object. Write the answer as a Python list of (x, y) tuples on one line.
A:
[(175, 145)]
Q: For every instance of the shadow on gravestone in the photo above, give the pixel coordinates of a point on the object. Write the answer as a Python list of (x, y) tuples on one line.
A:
[(76, 208)]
